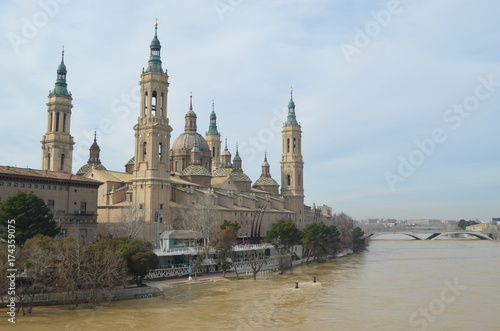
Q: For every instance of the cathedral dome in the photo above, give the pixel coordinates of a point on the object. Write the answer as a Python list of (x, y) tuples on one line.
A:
[(187, 140), (85, 168), (266, 181)]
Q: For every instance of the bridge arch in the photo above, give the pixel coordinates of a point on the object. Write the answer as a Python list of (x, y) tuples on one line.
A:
[(478, 235), (378, 234)]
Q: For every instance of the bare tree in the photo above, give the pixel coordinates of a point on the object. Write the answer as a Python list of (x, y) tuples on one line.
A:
[(130, 222), (104, 268), (70, 266), (344, 225), (256, 263), (203, 216)]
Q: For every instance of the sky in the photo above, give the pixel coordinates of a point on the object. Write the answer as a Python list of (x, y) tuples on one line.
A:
[(398, 100)]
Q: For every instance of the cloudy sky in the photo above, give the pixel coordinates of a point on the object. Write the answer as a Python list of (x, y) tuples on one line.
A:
[(398, 100)]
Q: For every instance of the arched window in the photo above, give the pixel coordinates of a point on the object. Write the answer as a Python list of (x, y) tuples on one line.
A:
[(57, 121), (144, 150), (62, 161), (161, 105), (288, 180), (288, 145), (146, 104), (64, 123), (294, 145), (153, 104), (48, 161), (50, 122), (160, 151)]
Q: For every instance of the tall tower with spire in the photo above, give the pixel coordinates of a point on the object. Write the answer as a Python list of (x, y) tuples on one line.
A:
[(213, 139), (151, 174), (292, 165), (57, 143)]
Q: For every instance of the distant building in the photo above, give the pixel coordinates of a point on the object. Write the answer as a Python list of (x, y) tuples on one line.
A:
[(72, 199)]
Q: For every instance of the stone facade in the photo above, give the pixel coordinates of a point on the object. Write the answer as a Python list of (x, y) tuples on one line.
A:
[(72, 199)]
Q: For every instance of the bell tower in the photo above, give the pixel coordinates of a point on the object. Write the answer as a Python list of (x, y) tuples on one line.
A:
[(292, 166), (151, 174), (57, 143), (213, 139)]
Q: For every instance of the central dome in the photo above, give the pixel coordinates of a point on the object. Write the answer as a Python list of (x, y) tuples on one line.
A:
[(187, 140)]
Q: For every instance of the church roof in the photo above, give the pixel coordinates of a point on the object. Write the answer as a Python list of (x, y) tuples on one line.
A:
[(187, 140), (222, 172), (195, 170), (240, 177), (266, 181), (113, 176), (86, 167), (14, 172)]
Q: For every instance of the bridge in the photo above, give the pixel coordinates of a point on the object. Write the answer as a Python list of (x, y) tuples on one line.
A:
[(433, 235)]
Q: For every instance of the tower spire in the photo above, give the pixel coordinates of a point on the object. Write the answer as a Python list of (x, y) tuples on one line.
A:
[(61, 87), (154, 64), (212, 128), (291, 120)]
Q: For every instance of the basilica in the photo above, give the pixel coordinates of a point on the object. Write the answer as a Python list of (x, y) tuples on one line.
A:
[(164, 181)]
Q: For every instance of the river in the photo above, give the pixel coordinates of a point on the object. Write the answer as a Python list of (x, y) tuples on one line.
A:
[(396, 285)]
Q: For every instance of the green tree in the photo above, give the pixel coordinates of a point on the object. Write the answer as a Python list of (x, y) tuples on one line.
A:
[(320, 240), (283, 235), (139, 257), (462, 224), (235, 225), (223, 243), (31, 214), (359, 243)]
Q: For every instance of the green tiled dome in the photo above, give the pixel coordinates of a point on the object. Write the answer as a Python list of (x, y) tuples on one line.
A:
[(195, 170)]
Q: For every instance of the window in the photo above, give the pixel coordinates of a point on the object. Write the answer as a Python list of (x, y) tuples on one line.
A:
[(62, 162), (22, 184), (57, 121), (29, 185), (48, 187), (288, 180), (141, 206), (160, 151), (64, 123), (294, 145), (288, 145), (1, 183), (35, 186), (83, 207), (144, 150), (54, 187), (146, 104), (50, 204), (60, 188), (153, 104), (161, 206), (15, 184), (161, 105), (8, 183)]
